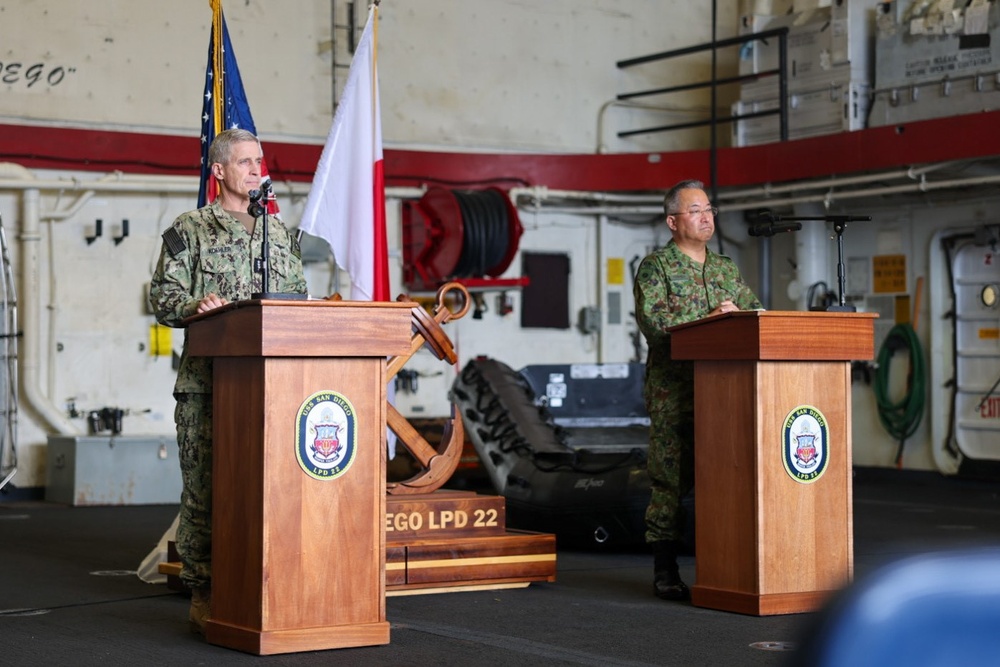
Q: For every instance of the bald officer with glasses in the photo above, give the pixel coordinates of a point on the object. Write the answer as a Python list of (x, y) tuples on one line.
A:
[(681, 282)]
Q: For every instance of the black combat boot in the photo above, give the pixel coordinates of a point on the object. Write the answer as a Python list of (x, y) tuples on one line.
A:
[(201, 601), (667, 584)]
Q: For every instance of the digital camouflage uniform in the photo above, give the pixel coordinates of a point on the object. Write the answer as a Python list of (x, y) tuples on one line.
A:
[(204, 252), (670, 289)]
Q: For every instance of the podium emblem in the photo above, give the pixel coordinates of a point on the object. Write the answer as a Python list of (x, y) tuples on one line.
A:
[(804, 444), (325, 435)]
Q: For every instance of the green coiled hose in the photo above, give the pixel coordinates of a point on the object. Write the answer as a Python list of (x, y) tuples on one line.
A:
[(901, 418)]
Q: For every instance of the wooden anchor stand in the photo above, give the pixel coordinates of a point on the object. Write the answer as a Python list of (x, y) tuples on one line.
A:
[(305, 542), (436, 540)]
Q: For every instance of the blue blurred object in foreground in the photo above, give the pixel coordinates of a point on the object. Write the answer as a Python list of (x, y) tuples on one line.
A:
[(933, 610)]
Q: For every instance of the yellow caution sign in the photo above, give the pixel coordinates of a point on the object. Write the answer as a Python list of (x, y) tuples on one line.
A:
[(160, 343), (616, 270)]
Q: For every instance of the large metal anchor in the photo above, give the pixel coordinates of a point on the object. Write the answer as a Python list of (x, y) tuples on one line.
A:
[(439, 464)]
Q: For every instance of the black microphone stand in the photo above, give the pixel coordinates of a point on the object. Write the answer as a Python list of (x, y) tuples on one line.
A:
[(839, 225), (258, 208)]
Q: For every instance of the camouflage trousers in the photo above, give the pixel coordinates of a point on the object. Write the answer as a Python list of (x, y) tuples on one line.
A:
[(670, 461), (193, 416)]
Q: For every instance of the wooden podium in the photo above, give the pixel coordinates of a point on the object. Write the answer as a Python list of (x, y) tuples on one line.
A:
[(772, 394), (298, 542)]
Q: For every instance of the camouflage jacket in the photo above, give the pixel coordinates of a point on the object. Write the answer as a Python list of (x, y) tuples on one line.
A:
[(209, 251), (670, 289)]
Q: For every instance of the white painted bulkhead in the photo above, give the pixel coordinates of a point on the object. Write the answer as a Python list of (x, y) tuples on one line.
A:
[(502, 75)]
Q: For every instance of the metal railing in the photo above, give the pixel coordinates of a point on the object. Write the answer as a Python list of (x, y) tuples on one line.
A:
[(781, 71)]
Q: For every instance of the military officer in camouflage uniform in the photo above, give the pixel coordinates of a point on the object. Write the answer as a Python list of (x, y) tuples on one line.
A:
[(205, 262), (678, 283)]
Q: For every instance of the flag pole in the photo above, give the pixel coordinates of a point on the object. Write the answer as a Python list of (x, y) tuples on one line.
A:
[(219, 69), (381, 267), (373, 73), (390, 435)]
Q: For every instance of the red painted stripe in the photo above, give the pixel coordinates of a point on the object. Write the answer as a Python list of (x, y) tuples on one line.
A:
[(954, 138)]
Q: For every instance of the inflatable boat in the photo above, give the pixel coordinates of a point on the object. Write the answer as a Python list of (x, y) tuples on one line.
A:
[(564, 444)]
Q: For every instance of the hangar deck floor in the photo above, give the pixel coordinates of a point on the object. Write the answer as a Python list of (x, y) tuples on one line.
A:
[(56, 609)]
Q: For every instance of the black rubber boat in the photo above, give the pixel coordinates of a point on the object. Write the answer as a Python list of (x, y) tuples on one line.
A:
[(564, 444)]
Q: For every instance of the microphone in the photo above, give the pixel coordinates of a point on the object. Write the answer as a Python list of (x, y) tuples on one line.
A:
[(771, 228), (263, 192), (256, 209)]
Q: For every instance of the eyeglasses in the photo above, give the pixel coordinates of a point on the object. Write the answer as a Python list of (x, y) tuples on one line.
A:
[(695, 212)]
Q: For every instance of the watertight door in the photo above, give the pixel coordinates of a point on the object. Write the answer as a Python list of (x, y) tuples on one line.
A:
[(977, 342)]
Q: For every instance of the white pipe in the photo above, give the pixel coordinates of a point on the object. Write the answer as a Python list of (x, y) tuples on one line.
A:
[(608, 210), (53, 309), (541, 193), (768, 190), (73, 185), (11, 179), (602, 280), (829, 197), (29, 240), (30, 237), (14, 170), (401, 192), (54, 216), (14, 177), (812, 258)]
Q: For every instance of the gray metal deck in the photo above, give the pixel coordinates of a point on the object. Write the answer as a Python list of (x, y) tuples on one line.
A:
[(68, 595)]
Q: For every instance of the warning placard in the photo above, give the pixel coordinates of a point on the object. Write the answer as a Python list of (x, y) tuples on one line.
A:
[(888, 273)]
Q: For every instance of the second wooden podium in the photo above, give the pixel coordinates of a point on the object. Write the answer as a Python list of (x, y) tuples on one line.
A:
[(774, 527), (298, 538)]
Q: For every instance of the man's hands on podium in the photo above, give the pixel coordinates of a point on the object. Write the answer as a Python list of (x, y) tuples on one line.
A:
[(210, 302), (726, 306)]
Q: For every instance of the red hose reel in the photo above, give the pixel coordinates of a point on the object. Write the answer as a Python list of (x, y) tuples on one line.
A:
[(467, 236)]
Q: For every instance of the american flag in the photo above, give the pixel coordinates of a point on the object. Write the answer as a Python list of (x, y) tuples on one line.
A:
[(225, 103)]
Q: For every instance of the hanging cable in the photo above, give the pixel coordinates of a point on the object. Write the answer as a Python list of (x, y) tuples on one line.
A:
[(819, 296), (901, 418), (948, 247)]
